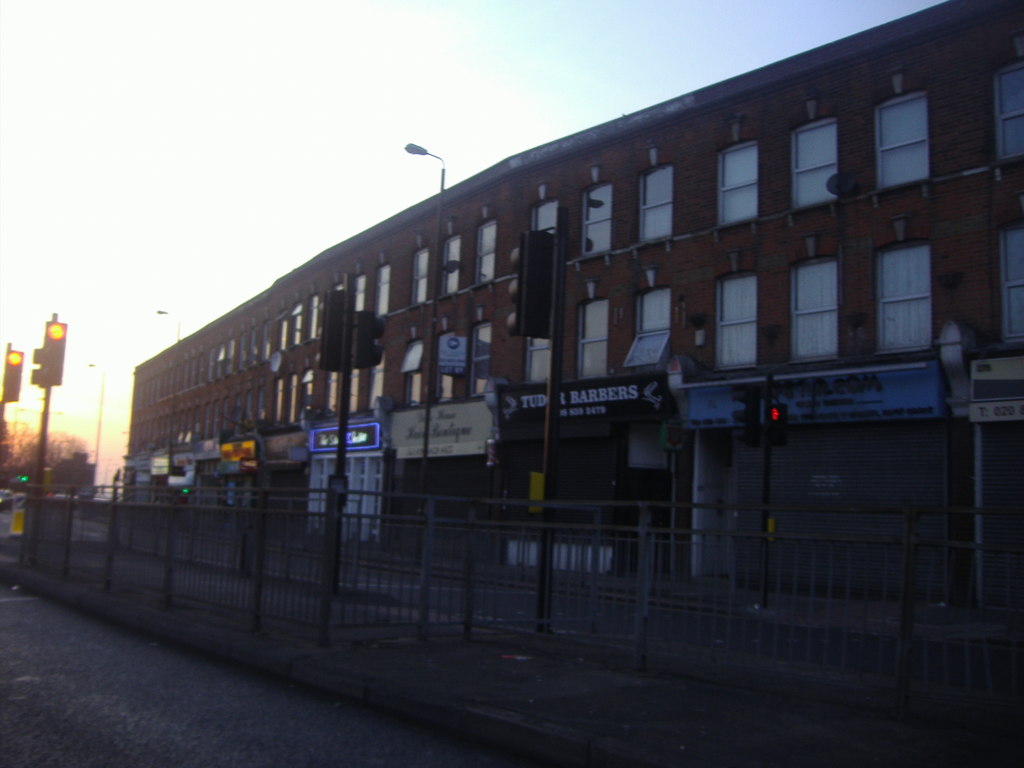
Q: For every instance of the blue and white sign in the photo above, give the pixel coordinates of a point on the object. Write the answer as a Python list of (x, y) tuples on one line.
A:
[(359, 437), (917, 393), (451, 356)]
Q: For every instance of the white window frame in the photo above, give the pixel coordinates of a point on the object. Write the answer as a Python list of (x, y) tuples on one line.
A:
[(889, 148), (1006, 115), (359, 303), (899, 301), (314, 316), (293, 399), (486, 247), (538, 358), (810, 174), (544, 216), (737, 321), (420, 276), (376, 383), (480, 359), (1012, 262), (597, 219), (305, 393), (296, 324), (737, 190), (412, 366), (331, 395), (353, 390), (593, 339), (815, 308), (451, 264), (383, 298), (653, 311), (655, 209), (445, 381)]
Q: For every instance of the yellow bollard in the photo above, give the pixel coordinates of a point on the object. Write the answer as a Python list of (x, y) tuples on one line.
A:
[(18, 516)]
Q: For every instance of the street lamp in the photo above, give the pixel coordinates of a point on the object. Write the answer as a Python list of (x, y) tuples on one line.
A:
[(99, 421), (178, 326), (428, 340)]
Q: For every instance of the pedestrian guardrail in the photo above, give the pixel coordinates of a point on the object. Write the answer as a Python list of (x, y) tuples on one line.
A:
[(922, 603)]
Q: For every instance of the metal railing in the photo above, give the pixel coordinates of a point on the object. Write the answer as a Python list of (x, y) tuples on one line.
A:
[(905, 606)]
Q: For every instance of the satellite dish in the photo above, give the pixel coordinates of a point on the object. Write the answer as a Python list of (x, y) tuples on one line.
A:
[(275, 361), (842, 183)]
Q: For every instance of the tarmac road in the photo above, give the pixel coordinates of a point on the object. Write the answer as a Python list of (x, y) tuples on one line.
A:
[(77, 693)]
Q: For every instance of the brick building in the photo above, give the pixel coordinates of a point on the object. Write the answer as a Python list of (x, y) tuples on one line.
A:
[(846, 224)]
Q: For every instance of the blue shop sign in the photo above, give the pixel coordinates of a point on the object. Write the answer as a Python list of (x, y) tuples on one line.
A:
[(918, 393), (359, 437)]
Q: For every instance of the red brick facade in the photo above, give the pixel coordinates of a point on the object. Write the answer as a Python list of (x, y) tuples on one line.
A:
[(971, 191)]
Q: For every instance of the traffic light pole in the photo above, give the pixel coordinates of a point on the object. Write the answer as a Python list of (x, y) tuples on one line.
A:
[(337, 493), (766, 483), (552, 418)]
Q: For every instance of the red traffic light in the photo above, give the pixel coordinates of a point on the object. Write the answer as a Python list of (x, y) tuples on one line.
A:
[(775, 414), (15, 357)]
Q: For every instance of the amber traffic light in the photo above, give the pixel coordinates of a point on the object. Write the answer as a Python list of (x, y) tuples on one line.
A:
[(50, 358), (14, 363)]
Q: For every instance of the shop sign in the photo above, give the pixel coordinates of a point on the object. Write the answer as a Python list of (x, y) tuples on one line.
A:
[(279, 447), (627, 397), (239, 467), (997, 389), (917, 393), (242, 449), (358, 437), (206, 449), (451, 356), (455, 430)]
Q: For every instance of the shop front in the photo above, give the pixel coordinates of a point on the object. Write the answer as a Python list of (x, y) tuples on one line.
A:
[(870, 437), (455, 446), (997, 415), (366, 470), (611, 439)]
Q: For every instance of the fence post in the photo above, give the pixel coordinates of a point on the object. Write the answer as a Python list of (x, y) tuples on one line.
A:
[(328, 572), (643, 586), (469, 575), (906, 629), (595, 570), (69, 529), (260, 558), (425, 569), (108, 565), (169, 558)]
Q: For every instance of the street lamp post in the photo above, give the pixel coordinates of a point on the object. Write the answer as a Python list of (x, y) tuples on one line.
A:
[(99, 422), (171, 437), (430, 372), (177, 330)]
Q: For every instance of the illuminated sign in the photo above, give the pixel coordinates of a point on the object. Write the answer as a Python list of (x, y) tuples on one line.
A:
[(361, 437), (243, 449)]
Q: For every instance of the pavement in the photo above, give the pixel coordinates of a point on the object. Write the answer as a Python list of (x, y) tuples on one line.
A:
[(563, 703)]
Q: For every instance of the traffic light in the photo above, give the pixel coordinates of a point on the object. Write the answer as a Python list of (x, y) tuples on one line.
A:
[(14, 362), (331, 341), (777, 420), (50, 358), (750, 415), (531, 289), (366, 352)]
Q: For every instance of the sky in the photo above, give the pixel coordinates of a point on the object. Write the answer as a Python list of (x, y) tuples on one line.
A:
[(178, 157)]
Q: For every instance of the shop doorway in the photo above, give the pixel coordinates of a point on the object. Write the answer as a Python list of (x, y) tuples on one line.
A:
[(713, 484)]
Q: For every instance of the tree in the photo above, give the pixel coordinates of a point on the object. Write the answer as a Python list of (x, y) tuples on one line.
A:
[(22, 446)]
